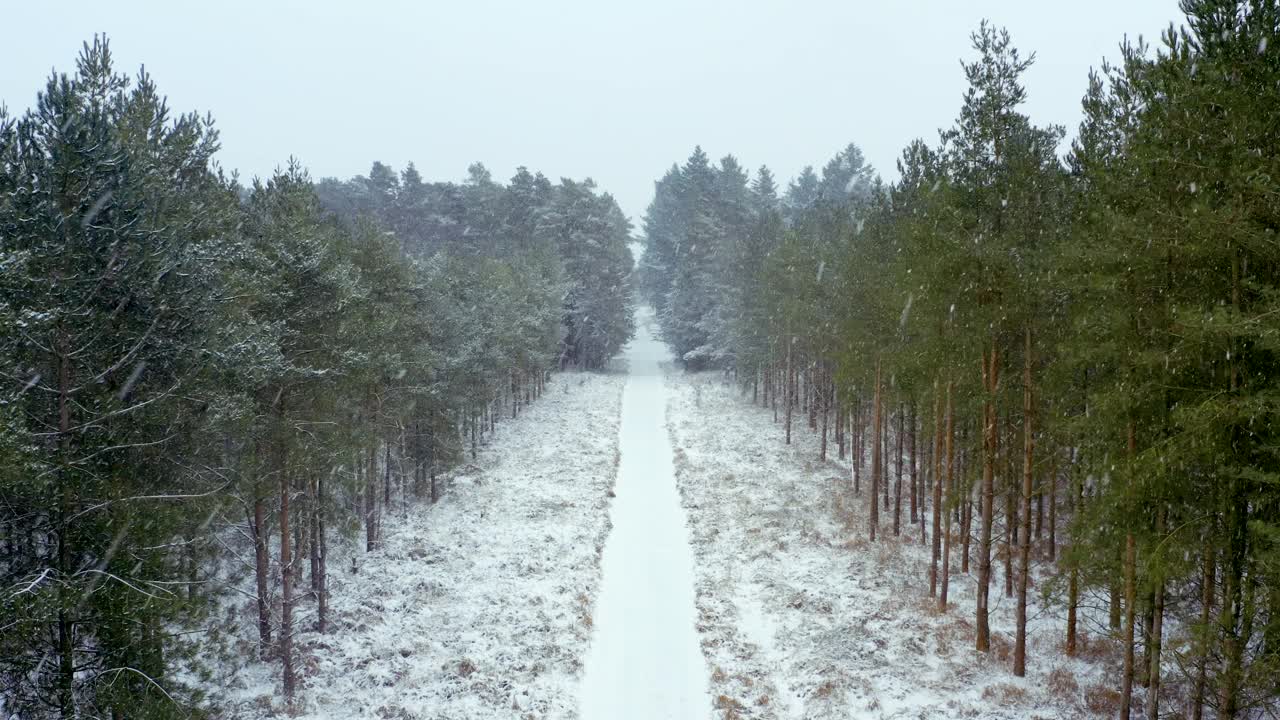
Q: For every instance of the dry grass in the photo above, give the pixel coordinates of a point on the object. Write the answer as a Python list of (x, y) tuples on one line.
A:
[(1062, 683), (844, 506), (584, 611), (1001, 648), (954, 631), (800, 601), (1097, 648), (1005, 694), (1102, 699), (732, 708)]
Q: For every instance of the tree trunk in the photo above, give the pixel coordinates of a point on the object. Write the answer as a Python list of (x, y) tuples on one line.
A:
[(1142, 671), (1130, 617), (965, 510), (813, 392), (950, 480), (1039, 529), (1073, 580), (789, 400), (1130, 596), (1156, 636), (1234, 616), (928, 450), (840, 421), (313, 533), (1207, 592), (991, 380), (262, 564), (1011, 519), (773, 391), (286, 582), (322, 591), (66, 622), (859, 438), (370, 502), (875, 457), (913, 462), (1024, 569), (1053, 506), (300, 536), (1113, 606), (386, 479), (1233, 603), (826, 411), (882, 437), (897, 477), (937, 491)]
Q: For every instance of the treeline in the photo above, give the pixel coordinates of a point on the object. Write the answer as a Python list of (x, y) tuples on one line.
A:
[(567, 237), (204, 382), (1026, 343)]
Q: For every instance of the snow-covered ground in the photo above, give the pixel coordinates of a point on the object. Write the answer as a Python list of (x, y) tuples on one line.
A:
[(492, 603), (478, 607), (645, 662), (801, 617)]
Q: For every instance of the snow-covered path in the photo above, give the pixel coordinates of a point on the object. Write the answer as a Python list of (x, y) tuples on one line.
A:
[(645, 661)]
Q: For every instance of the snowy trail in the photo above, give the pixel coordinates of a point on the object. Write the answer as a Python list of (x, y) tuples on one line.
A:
[(645, 661)]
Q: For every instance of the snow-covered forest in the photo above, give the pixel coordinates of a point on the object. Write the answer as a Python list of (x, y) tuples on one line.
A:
[(1059, 375), (208, 382), (990, 436)]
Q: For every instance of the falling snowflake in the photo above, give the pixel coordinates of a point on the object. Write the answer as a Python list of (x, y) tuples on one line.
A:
[(35, 379), (94, 209), (133, 379)]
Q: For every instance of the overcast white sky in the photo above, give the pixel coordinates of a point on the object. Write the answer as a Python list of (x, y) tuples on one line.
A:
[(615, 91)]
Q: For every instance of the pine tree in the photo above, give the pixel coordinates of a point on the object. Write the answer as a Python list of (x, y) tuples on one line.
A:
[(112, 228)]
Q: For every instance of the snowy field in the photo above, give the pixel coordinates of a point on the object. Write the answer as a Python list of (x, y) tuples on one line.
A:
[(479, 607), (801, 617)]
